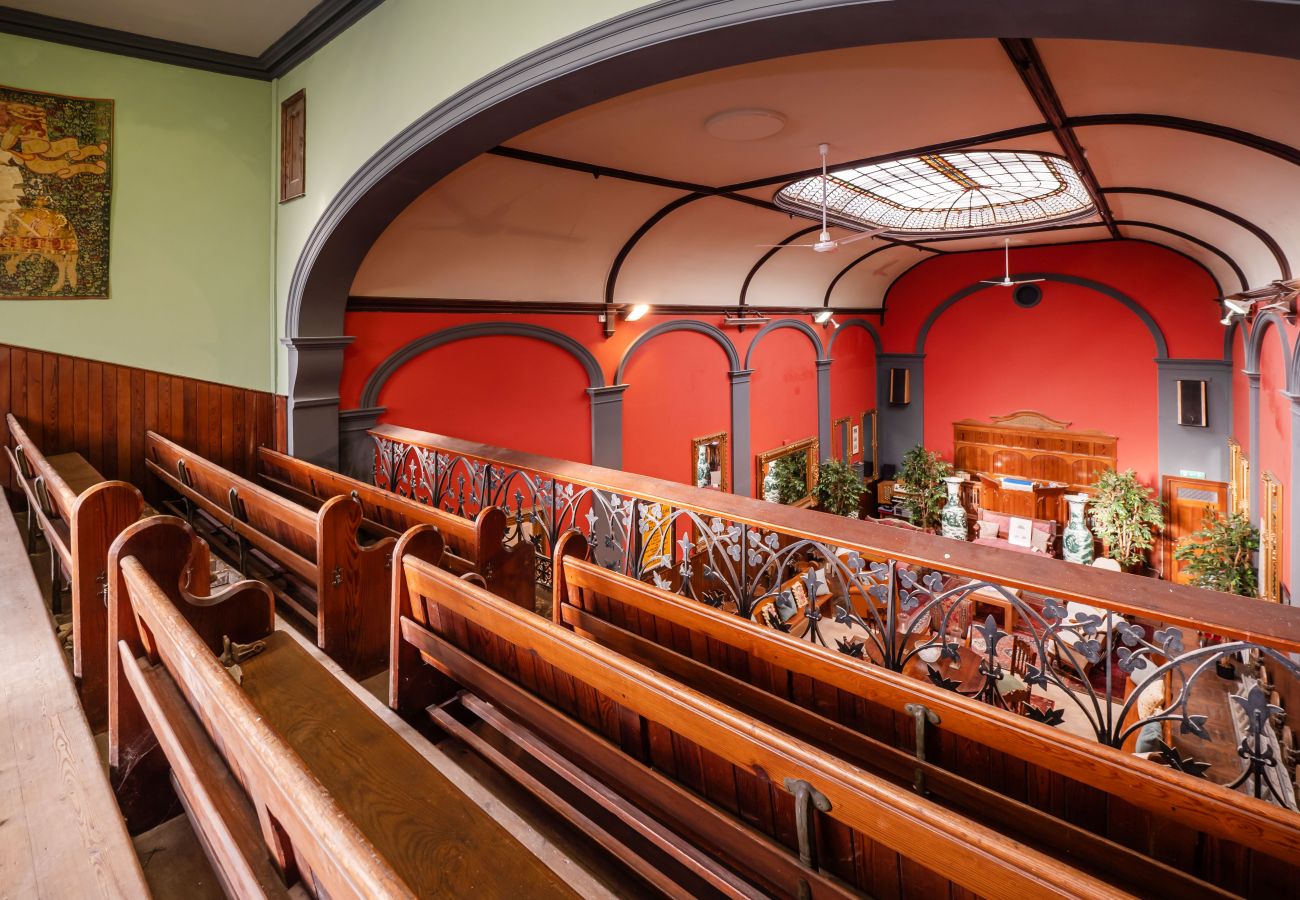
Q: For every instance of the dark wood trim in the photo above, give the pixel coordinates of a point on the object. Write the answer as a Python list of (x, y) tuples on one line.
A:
[(612, 279), (323, 23), (1284, 265), (580, 308), (772, 251), (830, 288), (1210, 129), (1024, 56), (1191, 238), (598, 171)]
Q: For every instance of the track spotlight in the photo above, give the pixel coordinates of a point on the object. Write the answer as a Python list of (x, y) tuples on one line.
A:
[(822, 316), (636, 311)]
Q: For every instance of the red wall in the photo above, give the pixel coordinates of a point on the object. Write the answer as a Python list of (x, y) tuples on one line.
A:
[(677, 390), (1275, 447), (853, 383), (1079, 356), (530, 395)]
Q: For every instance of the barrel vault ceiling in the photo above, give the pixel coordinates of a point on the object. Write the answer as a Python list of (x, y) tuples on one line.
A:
[(633, 200)]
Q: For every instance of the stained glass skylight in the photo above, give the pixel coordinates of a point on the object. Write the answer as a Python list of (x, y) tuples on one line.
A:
[(956, 192)]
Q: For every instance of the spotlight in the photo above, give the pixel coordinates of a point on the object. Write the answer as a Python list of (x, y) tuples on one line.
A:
[(1237, 307), (822, 316), (636, 311)]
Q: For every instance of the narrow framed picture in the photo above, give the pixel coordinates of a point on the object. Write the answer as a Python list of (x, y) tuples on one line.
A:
[(855, 442)]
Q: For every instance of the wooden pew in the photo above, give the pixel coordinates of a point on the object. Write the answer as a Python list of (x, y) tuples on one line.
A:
[(698, 798), (476, 545), (286, 775), (990, 764), (323, 573), (79, 520)]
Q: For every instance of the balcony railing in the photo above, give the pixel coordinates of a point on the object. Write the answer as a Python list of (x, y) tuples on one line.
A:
[(1123, 654)]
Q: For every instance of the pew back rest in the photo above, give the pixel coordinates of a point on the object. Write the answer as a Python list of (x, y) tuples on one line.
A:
[(736, 761), (287, 524), (397, 513), (294, 808), (872, 699), (30, 465)]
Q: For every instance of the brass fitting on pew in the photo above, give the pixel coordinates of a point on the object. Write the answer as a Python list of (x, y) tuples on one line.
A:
[(921, 714), (806, 798)]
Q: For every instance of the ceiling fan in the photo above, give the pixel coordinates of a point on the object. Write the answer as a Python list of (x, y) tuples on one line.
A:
[(1007, 280), (824, 244)]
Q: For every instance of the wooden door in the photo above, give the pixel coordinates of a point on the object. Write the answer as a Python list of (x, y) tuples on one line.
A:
[(1187, 500)]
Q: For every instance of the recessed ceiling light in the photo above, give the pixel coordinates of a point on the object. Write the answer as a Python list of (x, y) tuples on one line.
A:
[(744, 124)]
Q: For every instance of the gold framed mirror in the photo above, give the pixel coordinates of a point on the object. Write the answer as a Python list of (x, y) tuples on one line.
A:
[(709, 461), (787, 474), (840, 444)]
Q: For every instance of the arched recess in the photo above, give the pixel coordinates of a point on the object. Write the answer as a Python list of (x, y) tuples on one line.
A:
[(1269, 321), (854, 348), (1045, 362), (605, 401), (1161, 345), (1273, 423), (738, 399), (790, 390), (646, 45)]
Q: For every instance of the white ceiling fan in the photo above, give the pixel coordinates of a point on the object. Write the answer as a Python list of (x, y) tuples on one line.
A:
[(824, 244), (1007, 280)]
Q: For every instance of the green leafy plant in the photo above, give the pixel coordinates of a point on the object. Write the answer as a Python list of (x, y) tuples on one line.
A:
[(1218, 556), (1125, 516), (791, 474), (839, 489), (921, 476)]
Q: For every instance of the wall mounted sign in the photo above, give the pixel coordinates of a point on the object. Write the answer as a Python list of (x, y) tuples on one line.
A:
[(55, 195)]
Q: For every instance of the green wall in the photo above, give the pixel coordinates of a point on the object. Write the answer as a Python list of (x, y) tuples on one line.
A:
[(386, 71), (192, 226)]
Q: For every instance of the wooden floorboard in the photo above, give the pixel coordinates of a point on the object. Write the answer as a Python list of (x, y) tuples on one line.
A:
[(61, 835)]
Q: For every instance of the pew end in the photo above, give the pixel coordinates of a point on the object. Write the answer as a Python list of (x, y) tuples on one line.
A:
[(176, 561), (409, 690)]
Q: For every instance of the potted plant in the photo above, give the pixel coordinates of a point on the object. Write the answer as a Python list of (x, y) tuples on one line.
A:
[(1125, 516), (789, 477), (1219, 555), (839, 489), (921, 476)]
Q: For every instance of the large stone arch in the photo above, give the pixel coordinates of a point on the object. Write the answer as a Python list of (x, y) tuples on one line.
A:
[(648, 45)]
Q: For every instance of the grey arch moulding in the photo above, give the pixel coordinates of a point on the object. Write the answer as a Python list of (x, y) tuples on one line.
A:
[(1158, 336), (606, 401), (650, 45)]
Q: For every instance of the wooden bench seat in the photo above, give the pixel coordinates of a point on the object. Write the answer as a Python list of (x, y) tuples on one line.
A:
[(80, 515), (696, 796), (286, 774), (1069, 797), (473, 545), (313, 556)]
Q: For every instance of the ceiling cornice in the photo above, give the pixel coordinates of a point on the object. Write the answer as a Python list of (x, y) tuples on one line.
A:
[(326, 21)]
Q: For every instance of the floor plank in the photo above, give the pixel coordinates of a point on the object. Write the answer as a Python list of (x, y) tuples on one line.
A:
[(62, 835)]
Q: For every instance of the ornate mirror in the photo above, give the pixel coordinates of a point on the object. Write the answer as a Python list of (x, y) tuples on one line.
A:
[(870, 444), (787, 474), (709, 461)]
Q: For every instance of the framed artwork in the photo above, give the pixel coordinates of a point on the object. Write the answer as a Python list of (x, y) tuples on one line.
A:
[(840, 439), (293, 147), (855, 441), (787, 474), (709, 461), (1020, 532), (55, 195)]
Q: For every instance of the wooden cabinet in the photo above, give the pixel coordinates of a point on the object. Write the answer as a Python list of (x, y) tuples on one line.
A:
[(1031, 445)]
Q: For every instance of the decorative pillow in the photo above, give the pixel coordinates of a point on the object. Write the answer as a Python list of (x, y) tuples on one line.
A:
[(1038, 541), (987, 529)]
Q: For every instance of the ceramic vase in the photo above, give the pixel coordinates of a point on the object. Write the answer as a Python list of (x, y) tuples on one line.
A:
[(771, 493), (952, 517), (1076, 543)]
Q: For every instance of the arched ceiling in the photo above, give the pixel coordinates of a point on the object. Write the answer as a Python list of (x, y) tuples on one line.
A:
[(632, 200)]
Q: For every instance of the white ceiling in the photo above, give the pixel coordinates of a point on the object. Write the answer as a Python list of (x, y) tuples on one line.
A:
[(524, 230), (246, 27)]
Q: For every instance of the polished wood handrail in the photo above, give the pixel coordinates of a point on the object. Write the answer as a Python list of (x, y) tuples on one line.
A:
[(62, 496), (1227, 615)]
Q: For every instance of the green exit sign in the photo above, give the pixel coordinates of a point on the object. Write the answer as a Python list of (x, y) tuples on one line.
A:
[(1188, 473)]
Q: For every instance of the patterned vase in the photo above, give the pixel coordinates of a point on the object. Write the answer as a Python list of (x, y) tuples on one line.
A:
[(953, 516), (1076, 543), (771, 493)]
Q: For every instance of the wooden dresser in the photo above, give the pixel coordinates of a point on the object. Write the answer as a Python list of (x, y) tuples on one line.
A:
[(1032, 445)]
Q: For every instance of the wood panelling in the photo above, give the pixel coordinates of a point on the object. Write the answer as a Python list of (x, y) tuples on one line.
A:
[(102, 411), (1031, 445)]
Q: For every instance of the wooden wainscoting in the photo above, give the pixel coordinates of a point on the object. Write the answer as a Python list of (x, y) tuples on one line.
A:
[(102, 411)]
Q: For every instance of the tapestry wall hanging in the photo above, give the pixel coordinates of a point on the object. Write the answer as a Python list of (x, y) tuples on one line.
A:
[(55, 193)]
